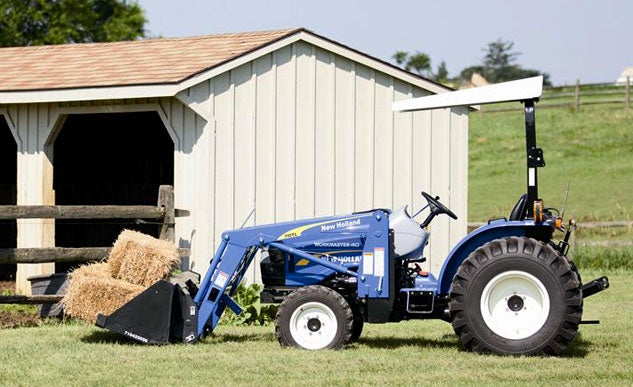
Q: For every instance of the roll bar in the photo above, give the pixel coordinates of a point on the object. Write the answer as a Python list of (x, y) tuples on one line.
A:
[(527, 91)]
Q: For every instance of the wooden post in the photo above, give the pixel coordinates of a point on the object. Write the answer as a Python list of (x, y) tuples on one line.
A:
[(35, 187), (577, 95), (166, 201), (628, 93)]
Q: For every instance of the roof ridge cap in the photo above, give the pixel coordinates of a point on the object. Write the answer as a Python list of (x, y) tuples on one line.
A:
[(153, 40)]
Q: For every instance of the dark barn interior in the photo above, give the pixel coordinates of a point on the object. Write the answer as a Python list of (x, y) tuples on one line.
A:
[(109, 159), (8, 179)]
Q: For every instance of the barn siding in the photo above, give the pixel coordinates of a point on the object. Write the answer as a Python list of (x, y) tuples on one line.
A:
[(303, 132), (297, 133)]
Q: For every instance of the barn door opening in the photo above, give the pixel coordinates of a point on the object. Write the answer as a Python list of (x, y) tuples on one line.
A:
[(8, 178), (109, 159)]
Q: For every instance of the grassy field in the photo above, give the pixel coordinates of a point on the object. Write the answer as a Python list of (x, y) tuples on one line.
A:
[(590, 149), (408, 353)]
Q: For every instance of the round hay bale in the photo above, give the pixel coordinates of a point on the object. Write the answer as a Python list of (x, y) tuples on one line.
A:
[(141, 259), (91, 290)]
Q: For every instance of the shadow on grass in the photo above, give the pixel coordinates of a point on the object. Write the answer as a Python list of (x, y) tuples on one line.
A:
[(107, 337), (239, 338), (446, 341), (579, 348)]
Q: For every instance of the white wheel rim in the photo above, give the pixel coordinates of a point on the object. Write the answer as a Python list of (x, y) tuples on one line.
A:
[(313, 325), (515, 305)]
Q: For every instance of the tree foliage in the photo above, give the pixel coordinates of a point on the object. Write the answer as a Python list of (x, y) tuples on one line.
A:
[(419, 62), (498, 65), (40, 22)]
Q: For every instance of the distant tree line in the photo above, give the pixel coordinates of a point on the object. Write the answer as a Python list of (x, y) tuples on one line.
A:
[(498, 65)]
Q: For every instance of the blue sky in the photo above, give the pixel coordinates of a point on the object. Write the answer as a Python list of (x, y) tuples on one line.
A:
[(585, 39)]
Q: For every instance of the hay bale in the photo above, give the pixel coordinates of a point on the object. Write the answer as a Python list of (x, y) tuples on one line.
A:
[(91, 290), (94, 270), (141, 259)]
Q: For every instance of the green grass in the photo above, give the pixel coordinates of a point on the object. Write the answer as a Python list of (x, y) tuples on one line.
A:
[(408, 353), (591, 149)]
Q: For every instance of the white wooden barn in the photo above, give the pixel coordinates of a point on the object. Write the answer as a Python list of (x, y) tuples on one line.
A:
[(287, 122)]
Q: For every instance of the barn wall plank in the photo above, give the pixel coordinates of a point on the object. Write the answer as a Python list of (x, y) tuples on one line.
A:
[(285, 135), (305, 123), (364, 139), (383, 142), (324, 173), (265, 175)]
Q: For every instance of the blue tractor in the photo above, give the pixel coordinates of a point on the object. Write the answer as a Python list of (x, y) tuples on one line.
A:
[(507, 287)]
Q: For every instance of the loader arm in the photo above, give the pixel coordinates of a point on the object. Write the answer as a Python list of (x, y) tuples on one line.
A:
[(238, 247)]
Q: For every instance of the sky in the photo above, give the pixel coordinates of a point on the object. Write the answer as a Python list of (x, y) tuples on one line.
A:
[(590, 40)]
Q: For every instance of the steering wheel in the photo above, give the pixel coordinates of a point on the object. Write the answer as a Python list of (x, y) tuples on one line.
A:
[(437, 207)]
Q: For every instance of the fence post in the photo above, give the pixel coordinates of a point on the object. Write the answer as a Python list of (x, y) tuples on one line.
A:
[(628, 93), (577, 95), (166, 200)]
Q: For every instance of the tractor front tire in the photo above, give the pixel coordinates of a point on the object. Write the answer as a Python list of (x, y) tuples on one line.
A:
[(357, 324), (314, 317), (516, 296)]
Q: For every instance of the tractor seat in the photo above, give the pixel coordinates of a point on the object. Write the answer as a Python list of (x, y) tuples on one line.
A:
[(520, 209)]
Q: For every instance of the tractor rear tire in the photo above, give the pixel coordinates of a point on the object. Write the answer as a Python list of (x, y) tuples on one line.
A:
[(516, 296), (314, 317)]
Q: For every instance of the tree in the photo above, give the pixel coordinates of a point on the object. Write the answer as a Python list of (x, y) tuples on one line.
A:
[(418, 62), (498, 55), (498, 65), (40, 22), (442, 73), (400, 57)]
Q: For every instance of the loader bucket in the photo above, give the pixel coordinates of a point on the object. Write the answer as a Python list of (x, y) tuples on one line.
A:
[(163, 313)]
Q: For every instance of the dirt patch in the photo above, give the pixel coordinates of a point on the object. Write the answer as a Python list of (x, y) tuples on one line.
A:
[(7, 286), (16, 319), (11, 317)]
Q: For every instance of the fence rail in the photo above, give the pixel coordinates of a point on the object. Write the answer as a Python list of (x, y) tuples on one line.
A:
[(58, 254), (81, 212), (164, 212), (577, 95), (616, 223)]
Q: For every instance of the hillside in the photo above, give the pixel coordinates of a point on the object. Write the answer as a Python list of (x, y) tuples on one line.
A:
[(592, 149)]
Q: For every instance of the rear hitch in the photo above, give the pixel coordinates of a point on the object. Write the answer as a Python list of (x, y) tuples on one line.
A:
[(595, 286)]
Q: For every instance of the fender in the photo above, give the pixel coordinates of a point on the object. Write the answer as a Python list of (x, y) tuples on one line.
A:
[(495, 229)]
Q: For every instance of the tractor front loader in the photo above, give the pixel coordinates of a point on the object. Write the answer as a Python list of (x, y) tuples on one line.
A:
[(506, 288)]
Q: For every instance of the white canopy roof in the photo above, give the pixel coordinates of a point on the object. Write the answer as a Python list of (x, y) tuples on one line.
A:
[(520, 90)]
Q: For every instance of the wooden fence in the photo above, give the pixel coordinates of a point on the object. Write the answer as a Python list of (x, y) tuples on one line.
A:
[(577, 96), (164, 214), (587, 225)]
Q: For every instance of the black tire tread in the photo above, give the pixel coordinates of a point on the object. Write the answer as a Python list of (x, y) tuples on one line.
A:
[(567, 276)]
